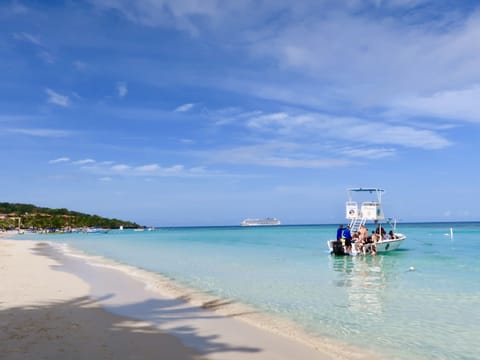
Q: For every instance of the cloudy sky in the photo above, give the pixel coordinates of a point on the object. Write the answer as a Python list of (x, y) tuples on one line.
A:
[(205, 112)]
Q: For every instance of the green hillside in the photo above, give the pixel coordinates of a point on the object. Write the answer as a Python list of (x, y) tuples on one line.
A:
[(31, 216)]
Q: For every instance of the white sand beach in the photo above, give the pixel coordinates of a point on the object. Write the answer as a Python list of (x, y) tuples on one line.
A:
[(57, 306), (48, 314)]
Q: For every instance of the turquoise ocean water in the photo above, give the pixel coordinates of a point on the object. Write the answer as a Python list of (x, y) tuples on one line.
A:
[(378, 303)]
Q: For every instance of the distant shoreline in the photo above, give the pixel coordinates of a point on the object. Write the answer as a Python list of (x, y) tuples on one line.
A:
[(283, 225)]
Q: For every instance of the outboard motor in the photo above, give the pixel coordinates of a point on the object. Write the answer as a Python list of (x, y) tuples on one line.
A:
[(337, 248)]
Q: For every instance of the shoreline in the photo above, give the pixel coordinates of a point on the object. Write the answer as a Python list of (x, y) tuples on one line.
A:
[(261, 336)]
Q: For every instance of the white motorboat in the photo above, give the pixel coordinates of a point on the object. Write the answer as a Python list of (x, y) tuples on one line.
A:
[(92, 230), (367, 212)]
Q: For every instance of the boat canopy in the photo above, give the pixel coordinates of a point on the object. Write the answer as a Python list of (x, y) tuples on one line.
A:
[(371, 209)]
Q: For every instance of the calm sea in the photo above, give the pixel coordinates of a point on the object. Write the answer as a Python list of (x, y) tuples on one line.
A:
[(379, 303)]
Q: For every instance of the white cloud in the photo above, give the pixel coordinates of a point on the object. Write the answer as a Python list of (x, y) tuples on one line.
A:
[(286, 124), (184, 108), (43, 53), (175, 169), (46, 56), (165, 13), (109, 168), (303, 163), (59, 160), (120, 168), (368, 153), (315, 140), (350, 60), (264, 120), (57, 99), (41, 132), (80, 65), (275, 154), (333, 55), (378, 133), (459, 104), (84, 161), (122, 89), (23, 36), (148, 168), (314, 126), (18, 117), (17, 8), (106, 179), (383, 51)]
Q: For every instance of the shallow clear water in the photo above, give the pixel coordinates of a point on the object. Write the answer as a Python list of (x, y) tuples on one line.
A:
[(377, 302)]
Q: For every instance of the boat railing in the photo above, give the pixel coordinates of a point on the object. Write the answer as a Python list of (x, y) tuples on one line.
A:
[(356, 223)]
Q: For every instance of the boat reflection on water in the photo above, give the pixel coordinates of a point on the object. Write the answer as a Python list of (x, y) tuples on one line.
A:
[(365, 281)]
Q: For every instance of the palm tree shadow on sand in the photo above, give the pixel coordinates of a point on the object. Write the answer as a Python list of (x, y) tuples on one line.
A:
[(81, 329)]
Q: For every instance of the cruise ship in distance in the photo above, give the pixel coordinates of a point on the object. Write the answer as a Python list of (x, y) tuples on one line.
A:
[(260, 222)]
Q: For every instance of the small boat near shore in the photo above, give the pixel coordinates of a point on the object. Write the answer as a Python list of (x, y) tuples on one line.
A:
[(260, 222), (95, 230), (361, 215)]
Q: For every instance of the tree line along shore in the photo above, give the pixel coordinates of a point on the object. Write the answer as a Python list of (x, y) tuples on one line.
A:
[(27, 216)]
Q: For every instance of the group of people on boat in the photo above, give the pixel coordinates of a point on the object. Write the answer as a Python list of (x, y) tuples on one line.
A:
[(363, 241)]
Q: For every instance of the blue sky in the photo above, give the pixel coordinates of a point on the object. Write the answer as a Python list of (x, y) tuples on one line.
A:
[(207, 112)]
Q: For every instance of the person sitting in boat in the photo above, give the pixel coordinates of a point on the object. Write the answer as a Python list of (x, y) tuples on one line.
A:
[(375, 237), (348, 239), (356, 237), (365, 246), (370, 245), (363, 233), (392, 235), (380, 231), (361, 238), (360, 246)]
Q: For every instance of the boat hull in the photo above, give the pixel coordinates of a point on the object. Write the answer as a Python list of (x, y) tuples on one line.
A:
[(381, 246), (390, 245)]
